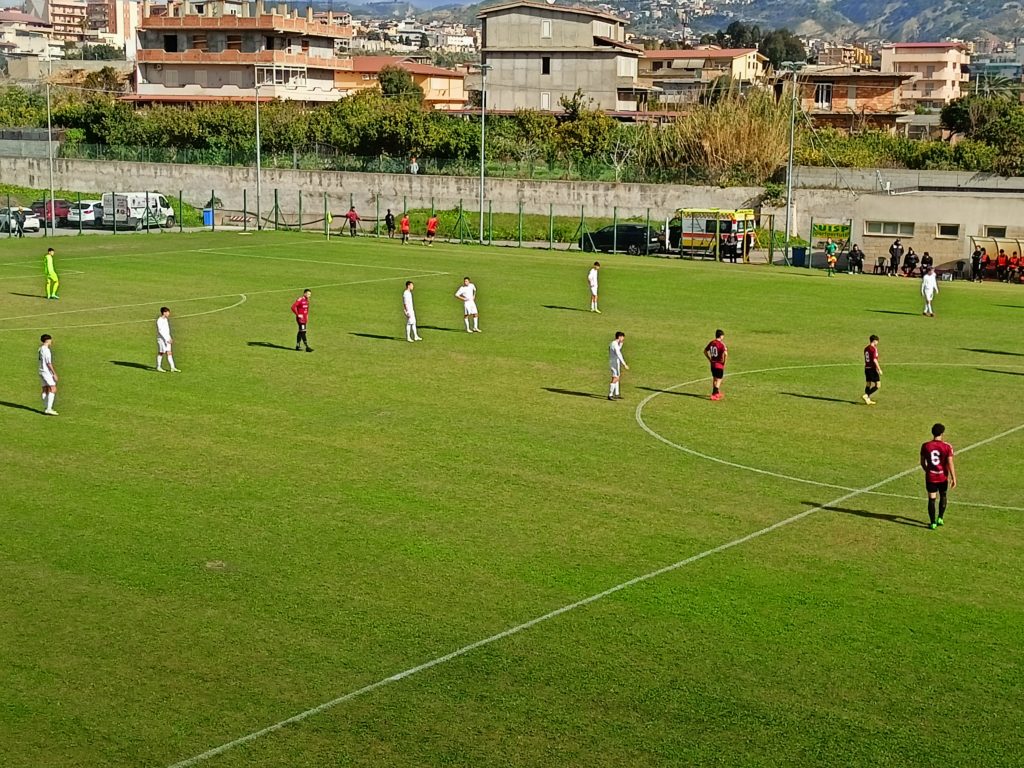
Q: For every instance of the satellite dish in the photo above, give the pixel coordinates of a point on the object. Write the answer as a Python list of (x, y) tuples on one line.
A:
[(551, 2)]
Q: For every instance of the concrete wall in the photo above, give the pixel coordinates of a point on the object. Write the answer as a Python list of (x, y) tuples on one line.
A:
[(867, 179)]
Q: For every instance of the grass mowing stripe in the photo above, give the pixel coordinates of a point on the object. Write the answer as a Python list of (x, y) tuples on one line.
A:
[(39, 276), (238, 303), (298, 718), (224, 252)]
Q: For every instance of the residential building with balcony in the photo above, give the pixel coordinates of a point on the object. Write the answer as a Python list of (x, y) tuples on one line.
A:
[(939, 71), (23, 34), (117, 20), (442, 88), (226, 50), (849, 55), (679, 77), (68, 18), (848, 98), (537, 53)]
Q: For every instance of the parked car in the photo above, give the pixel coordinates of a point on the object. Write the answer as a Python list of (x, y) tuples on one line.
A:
[(45, 209), (87, 211), (631, 238), (32, 223)]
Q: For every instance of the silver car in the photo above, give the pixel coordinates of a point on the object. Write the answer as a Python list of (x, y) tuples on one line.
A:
[(31, 224), (87, 212)]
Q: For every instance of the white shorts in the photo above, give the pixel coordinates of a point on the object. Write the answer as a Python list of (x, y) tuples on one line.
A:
[(410, 320), (615, 370), (593, 290), (163, 347), (928, 296), (47, 380), (469, 307)]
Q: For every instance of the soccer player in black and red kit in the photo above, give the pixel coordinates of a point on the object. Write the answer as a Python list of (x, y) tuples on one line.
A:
[(872, 370), (716, 353), (939, 473), (301, 311)]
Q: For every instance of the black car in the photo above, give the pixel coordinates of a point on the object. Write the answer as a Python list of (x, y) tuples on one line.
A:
[(634, 239)]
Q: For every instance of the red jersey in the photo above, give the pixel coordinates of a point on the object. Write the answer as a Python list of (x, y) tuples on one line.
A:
[(935, 457), (301, 309), (871, 357), (1001, 260), (432, 225), (352, 217), (405, 224), (716, 350)]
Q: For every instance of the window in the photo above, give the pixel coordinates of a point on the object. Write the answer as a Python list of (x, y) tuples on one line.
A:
[(199, 42), (545, 100), (234, 43), (995, 231), (823, 96), (545, 29), (948, 230), (171, 43), (545, 65), (305, 46), (889, 228)]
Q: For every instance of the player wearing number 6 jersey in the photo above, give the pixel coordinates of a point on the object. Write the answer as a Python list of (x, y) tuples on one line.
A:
[(939, 473), (717, 353)]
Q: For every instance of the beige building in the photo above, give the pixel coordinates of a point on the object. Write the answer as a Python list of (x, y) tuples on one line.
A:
[(679, 77), (538, 53), (939, 70), (846, 55), (223, 50)]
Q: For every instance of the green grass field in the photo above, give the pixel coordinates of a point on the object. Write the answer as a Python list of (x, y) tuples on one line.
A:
[(188, 559)]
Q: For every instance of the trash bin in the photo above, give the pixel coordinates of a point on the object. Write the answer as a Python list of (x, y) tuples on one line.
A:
[(207, 217), (799, 255)]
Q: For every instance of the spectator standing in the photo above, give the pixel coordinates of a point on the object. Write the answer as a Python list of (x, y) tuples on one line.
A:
[(895, 256), (389, 222), (414, 167), (976, 264), (19, 222)]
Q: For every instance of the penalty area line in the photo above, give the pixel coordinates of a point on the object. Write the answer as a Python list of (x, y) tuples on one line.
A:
[(398, 676)]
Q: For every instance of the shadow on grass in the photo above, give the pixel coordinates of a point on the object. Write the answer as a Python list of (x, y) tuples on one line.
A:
[(439, 328), (892, 312), (379, 336), (993, 352), (1011, 306), (29, 295), (819, 397), (674, 392), (132, 364), (1006, 373), (898, 519), (19, 407), (574, 393), (269, 345), (567, 309)]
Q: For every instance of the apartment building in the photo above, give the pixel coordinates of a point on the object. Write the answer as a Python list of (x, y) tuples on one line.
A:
[(939, 71), (26, 35), (849, 98), (536, 53), (225, 49), (442, 88), (848, 55), (679, 77), (68, 18)]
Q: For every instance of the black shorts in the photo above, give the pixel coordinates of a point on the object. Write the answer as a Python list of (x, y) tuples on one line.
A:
[(871, 376), (936, 487), (717, 371), (430, 235), (302, 325)]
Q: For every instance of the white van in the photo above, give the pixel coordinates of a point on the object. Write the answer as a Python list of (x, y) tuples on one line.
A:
[(136, 210)]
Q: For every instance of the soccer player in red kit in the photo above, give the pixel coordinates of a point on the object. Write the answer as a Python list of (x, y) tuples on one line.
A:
[(431, 229), (301, 311), (872, 370), (716, 353), (939, 473)]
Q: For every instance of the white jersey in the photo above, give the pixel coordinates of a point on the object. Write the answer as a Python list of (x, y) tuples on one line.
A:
[(407, 303), (163, 329), (615, 358), (45, 361), (466, 292), (592, 279), (929, 285)]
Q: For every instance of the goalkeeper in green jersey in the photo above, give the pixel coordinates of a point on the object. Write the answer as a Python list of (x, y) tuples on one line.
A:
[(52, 281)]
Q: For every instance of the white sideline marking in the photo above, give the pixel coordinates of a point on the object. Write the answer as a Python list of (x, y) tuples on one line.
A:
[(557, 612), (40, 276), (197, 298)]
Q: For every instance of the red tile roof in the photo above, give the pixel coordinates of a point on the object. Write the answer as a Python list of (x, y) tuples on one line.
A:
[(374, 64), (13, 16)]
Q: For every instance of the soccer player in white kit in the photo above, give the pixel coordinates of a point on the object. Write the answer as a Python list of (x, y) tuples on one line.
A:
[(929, 287), (47, 374), (467, 295), (410, 314), (592, 282), (164, 340), (616, 363)]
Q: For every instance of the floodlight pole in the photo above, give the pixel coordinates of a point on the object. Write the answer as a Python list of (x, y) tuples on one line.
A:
[(259, 215), (792, 67), (483, 136), (49, 151)]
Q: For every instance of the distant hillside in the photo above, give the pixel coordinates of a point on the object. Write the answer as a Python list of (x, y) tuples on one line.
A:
[(903, 20)]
